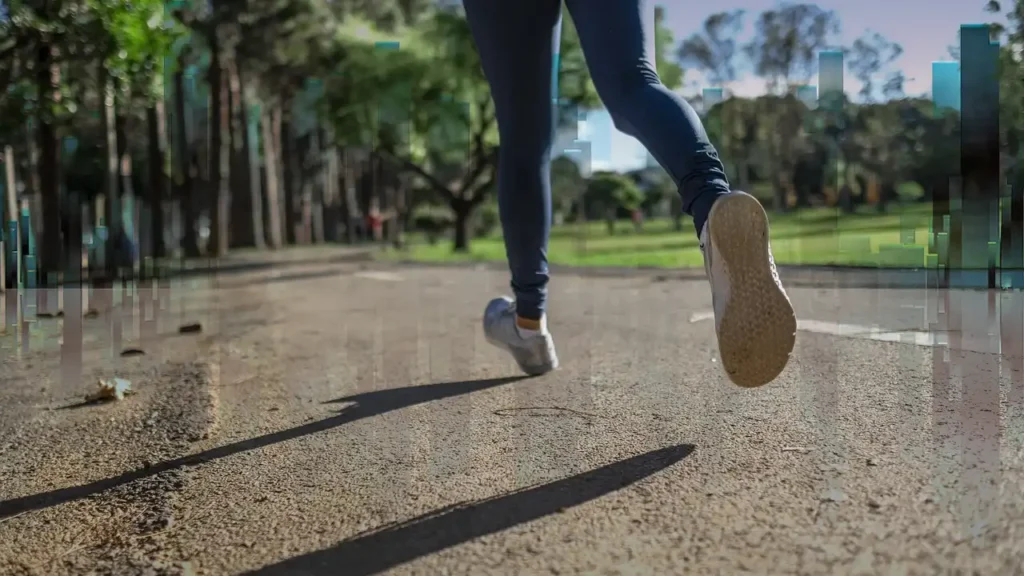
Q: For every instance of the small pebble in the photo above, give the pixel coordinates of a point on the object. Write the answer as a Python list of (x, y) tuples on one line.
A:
[(190, 328)]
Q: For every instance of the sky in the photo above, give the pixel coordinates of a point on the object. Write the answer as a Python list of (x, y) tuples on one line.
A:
[(925, 29)]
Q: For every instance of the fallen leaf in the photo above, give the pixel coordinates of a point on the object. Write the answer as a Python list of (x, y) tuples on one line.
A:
[(111, 389)]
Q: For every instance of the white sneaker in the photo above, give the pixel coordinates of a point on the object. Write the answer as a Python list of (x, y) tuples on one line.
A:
[(754, 318), (534, 353)]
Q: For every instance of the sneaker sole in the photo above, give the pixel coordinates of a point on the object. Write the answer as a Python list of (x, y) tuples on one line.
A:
[(515, 353), (528, 370), (757, 331)]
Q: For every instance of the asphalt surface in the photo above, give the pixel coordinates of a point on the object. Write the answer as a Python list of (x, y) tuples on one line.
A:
[(350, 419)]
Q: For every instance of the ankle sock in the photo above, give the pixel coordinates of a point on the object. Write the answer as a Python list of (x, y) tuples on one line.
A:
[(528, 328)]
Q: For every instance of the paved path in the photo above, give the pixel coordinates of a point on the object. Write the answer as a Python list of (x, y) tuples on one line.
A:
[(351, 420)]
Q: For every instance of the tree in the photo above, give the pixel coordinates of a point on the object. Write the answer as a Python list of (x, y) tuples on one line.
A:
[(1011, 78), (62, 46), (787, 41), (661, 188), (451, 144), (871, 54), (713, 49), (131, 79), (567, 184), (35, 41), (784, 50), (739, 134), (609, 192), (669, 71)]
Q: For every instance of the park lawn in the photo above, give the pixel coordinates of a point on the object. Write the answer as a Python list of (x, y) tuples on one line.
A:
[(810, 237)]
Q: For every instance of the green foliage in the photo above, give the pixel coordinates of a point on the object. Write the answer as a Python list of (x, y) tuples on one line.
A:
[(658, 186), (427, 110), (567, 184), (713, 50), (486, 220), (575, 86), (433, 220), (669, 71), (609, 192), (787, 41)]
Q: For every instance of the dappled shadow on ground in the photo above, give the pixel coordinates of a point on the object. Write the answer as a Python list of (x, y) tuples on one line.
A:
[(211, 267), (366, 405), (396, 544)]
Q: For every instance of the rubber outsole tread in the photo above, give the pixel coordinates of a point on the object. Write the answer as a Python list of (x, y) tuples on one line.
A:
[(757, 330)]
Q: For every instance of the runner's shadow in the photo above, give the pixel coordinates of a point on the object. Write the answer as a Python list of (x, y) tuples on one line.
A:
[(366, 405), (396, 544)]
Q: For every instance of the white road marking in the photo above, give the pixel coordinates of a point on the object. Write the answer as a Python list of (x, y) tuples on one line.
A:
[(915, 337), (381, 276), (701, 316)]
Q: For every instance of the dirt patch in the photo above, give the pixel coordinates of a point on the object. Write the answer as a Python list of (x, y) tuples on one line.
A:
[(86, 488)]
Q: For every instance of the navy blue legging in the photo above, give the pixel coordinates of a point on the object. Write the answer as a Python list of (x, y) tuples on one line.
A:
[(517, 41)]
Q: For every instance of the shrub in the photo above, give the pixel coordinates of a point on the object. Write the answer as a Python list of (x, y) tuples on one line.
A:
[(433, 221), (486, 220)]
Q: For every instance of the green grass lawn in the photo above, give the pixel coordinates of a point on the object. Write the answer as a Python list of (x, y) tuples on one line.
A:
[(815, 236)]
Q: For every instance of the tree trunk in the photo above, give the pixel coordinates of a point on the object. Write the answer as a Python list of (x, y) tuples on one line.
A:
[(127, 227), (10, 212), (610, 223), (287, 171), (48, 81), (332, 204), (103, 215), (125, 190), (251, 124), (744, 175), (886, 193), (271, 164), (219, 152), (401, 211), (846, 199), (121, 134), (778, 186), (304, 155), (157, 136), (319, 190), (463, 210), (675, 204), (184, 180), (350, 207), (243, 203), (32, 182), (11, 191)]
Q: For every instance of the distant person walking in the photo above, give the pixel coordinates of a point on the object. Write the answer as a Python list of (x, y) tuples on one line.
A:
[(375, 220), (638, 220), (754, 319)]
